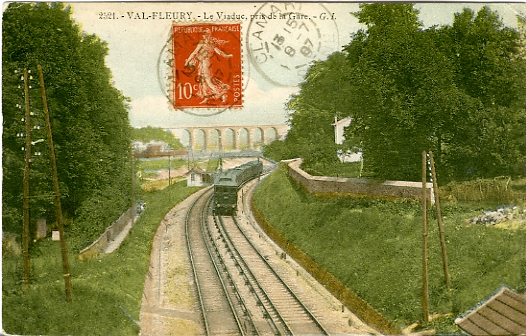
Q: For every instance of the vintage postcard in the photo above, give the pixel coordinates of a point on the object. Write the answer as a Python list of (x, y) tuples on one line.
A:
[(263, 168)]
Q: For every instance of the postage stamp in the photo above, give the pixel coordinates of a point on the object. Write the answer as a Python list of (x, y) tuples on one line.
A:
[(207, 69)]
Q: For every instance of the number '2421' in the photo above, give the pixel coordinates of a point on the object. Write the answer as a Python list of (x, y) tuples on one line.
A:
[(107, 16)]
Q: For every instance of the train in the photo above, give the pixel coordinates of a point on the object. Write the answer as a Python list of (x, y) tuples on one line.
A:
[(227, 184)]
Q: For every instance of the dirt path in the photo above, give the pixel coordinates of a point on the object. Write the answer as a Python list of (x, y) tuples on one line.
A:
[(168, 303)]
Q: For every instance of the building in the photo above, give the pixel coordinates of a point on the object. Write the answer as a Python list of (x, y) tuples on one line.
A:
[(339, 137), (154, 149), (339, 128), (502, 313), (197, 177)]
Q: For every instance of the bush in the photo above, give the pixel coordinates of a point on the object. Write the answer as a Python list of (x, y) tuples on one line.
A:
[(10, 246), (337, 169), (95, 214), (277, 151), (499, 190)]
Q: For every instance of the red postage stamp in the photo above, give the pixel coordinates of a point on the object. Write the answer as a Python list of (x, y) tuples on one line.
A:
[(207, 70)]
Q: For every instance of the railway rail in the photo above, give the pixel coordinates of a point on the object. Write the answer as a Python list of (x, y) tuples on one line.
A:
[(217, 309), (238, 291), (227, 290), (285, 312)]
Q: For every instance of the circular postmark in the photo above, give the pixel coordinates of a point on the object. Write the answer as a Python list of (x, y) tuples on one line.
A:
[(284, 38), (200, 68)]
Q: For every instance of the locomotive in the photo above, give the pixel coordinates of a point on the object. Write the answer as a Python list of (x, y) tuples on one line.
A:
[(227, 183)]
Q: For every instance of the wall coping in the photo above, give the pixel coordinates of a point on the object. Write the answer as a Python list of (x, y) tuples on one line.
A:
[(105, 238), (295, 164)]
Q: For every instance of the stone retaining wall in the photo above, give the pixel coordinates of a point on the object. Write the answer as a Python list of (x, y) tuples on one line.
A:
[(357, 186), (109, 234)]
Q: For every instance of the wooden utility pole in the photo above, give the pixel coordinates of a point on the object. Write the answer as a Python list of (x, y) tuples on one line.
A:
[(169, 169), (425, 286), (58, 207), (134, 209), (439, 219), (25, 231)]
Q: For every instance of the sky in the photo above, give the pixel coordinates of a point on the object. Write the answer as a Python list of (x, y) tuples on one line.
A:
[(137, 49)]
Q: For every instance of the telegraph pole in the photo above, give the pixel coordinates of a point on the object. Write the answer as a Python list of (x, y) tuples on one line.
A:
[(169, 169), (25, 231), (425, 285), (440, 226), (58, 207), (134, 209)]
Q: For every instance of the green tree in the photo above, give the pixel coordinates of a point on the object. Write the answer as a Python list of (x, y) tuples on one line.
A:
[(487, 139), (149, 133), (313, 111), (401, 90), (89, 116), (457, 91), (521, 21)]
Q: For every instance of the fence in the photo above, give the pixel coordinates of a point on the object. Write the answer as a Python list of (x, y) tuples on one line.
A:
[(109, 235), (357, 186)]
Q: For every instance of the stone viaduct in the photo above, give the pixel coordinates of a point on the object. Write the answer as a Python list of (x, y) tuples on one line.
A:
[(229, 137)]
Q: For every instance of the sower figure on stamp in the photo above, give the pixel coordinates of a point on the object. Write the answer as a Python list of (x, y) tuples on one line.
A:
[(210, 87)]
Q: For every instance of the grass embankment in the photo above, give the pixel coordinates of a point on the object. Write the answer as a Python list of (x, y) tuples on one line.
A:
[(158, 164), (374, 247), (149, 170), (101, 286)]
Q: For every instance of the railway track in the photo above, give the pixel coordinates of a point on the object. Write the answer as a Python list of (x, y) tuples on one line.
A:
[(238, 291), (283, 310), (218, 312), (229, 288)]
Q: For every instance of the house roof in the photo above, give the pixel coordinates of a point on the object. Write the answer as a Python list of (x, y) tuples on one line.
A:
[(503, 313), (345, 121), (195, 170)]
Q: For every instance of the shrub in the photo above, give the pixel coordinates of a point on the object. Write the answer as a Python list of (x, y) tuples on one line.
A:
[(496, 190), (95, 214), (277, 150)]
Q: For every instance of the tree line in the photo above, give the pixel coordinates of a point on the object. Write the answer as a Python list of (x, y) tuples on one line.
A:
[(457, 90), (149, 133), (89, 118)]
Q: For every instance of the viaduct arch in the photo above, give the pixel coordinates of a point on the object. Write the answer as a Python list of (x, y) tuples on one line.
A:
[(229, 137)]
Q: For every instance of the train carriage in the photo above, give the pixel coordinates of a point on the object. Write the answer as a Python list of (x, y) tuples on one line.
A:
[(227, 184)]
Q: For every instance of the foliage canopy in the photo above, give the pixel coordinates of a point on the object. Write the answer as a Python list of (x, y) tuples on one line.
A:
[(455, 90), (149, 133), (89, 116)]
